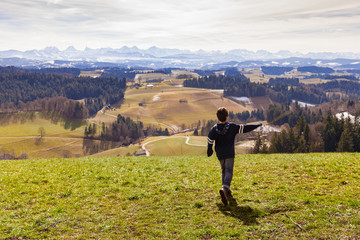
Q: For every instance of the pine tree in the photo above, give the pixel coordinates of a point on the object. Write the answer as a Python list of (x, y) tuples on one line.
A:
[(301, 124), (301, 147), (291, 146), (258, 144), (346, 142), (307, 137), (329, 135)]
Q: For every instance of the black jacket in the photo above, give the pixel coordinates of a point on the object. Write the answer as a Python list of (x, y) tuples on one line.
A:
[(224, 137)]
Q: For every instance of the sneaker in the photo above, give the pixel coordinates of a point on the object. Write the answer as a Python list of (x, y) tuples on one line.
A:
[(231, 200), (228, 193), (223, 197)]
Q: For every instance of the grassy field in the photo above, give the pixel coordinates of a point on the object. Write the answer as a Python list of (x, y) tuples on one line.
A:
[(19, 133), (28, 124), (93, 74), (177, 198), (162, 105), (150, 76)]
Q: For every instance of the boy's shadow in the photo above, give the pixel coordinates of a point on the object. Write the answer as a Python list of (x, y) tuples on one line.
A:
[(244, 213)]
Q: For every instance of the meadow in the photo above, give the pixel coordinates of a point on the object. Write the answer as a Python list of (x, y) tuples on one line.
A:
[(20, 133), (279, 196), (162, 105)]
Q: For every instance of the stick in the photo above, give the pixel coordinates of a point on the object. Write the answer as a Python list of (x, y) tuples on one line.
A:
[(295, 223)]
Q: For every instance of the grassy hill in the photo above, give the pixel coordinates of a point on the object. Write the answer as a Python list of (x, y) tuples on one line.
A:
[(162, 104), (177, 198), (19, 133)]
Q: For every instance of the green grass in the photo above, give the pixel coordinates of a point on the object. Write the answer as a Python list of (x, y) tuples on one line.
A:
[(177, 198)]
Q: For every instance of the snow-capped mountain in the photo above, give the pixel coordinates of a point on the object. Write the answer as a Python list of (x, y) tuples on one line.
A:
[(165, 57)]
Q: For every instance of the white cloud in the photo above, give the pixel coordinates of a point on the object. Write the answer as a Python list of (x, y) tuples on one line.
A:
[(322, 25)]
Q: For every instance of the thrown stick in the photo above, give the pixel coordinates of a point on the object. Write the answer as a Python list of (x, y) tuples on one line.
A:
[(295, 222)]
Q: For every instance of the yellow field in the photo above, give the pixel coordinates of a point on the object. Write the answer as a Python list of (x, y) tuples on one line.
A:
[(150, 76), (177, 73), (30, 127), (313, 81), (93, 74), (19, 133), (163, 105)]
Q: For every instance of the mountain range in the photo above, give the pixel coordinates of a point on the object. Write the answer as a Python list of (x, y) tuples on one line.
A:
[(155, 57)]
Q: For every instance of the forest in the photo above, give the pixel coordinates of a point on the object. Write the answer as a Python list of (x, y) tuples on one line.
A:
[(284, 81), (279, 92), (20, 89), (275, 70), (315, 69), (215, 82)]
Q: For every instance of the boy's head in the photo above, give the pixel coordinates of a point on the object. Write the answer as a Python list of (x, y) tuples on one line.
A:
[(222, 114)]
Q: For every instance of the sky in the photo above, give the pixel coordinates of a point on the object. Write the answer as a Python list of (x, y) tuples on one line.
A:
[(304, 26)]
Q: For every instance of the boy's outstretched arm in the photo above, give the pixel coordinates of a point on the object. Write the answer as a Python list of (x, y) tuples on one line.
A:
[(249, 127)]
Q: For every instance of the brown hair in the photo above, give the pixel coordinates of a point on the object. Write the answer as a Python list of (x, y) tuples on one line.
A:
[(222, 113)]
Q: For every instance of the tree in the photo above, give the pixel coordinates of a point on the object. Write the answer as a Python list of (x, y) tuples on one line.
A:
[(346, 143), (329, 135), (41, 131), (259, 146)]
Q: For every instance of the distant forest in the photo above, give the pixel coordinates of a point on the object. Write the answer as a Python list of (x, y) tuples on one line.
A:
[(215, 82), (315, 69), (275, 70), (280, 92), (19, 87)]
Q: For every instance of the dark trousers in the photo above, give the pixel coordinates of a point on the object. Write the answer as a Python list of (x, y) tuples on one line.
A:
[(227, 167)]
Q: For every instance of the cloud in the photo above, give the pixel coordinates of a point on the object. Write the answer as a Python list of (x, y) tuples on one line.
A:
[(186, 24)]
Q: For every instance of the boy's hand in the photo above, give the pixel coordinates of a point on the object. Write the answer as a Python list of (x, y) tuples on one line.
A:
[(209, 152)]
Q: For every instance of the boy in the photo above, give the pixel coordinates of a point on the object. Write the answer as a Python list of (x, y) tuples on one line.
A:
[(223, 134)]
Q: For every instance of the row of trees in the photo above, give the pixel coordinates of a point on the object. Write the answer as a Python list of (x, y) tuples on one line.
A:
[(123, 130), (68, 108), (295, 140), (215, 82), (282, 113), (284, 81), (245, 116), (341, 135), (305, 93), (27, 87), (275, 70), (332, 77), (315, 69), (21, 90), (248, 89), (349, 87), (277, 89), (331, 135)]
